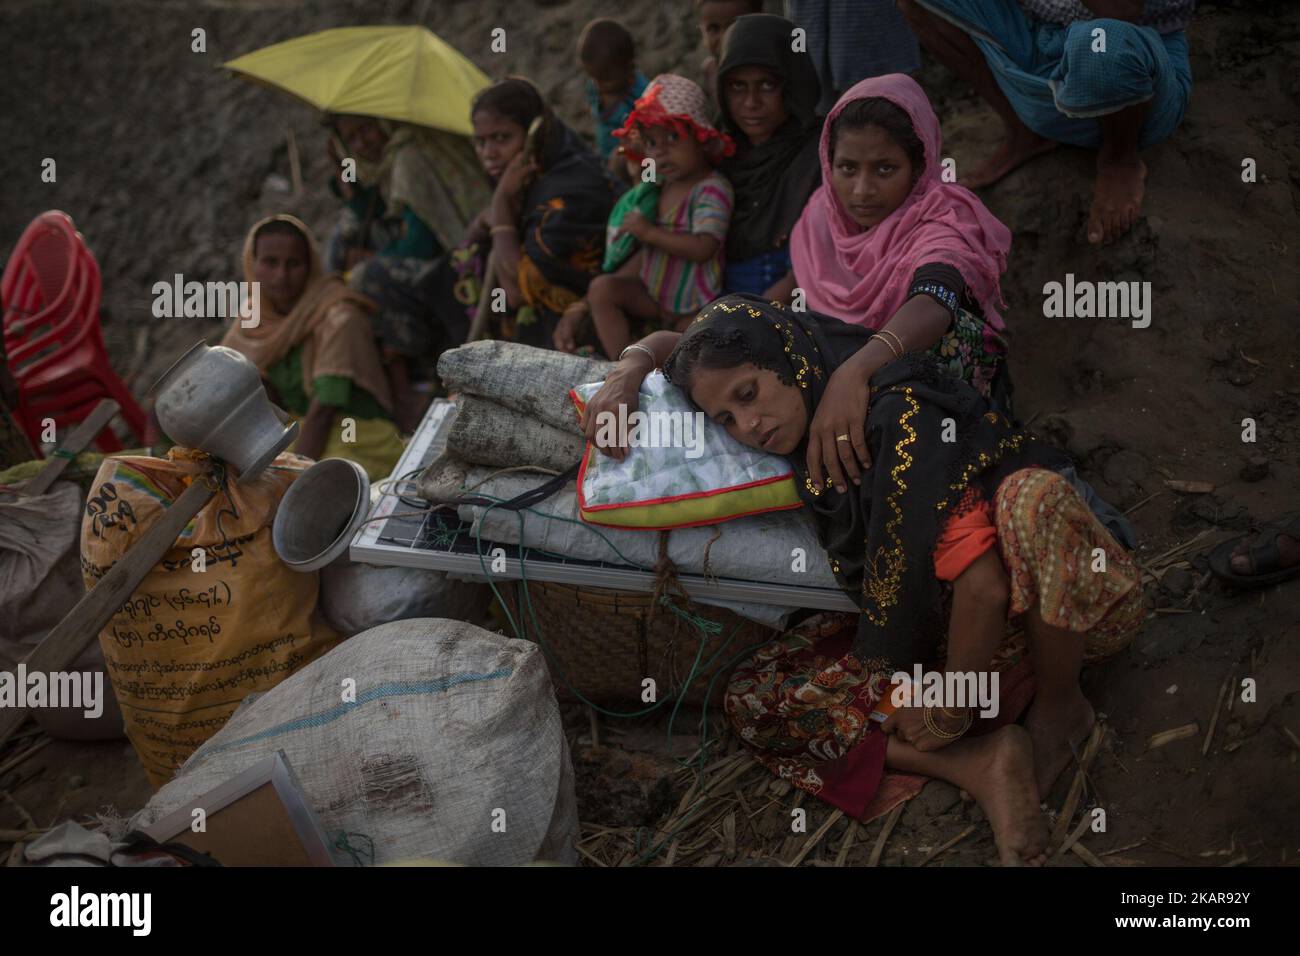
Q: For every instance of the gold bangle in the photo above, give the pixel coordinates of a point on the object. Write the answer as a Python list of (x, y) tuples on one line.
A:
[(502, 227), (641, 348), (902, 349), (889, 345), (927, 717)]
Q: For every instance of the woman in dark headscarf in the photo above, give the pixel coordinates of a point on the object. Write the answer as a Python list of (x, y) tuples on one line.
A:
[(546, 220), (767, 94), (959, 524)]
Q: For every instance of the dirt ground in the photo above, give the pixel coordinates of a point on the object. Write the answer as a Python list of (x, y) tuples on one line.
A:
[(163, 161)]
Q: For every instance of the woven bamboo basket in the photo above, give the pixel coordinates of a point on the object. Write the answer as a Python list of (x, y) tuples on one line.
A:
[(604, 643)]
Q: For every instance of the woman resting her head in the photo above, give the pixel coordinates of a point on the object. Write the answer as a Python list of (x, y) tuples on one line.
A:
[(545, 223), (314, 345), (767, 95), (885, 243), (940, 544)]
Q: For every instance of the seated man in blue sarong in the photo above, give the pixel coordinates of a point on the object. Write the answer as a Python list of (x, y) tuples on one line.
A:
[(1110, 75)]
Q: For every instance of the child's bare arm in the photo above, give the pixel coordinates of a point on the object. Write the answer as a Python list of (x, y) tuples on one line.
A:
[(697, 247), (687, 245)]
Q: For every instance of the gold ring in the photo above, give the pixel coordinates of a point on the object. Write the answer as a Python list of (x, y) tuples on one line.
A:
[(842, 438)]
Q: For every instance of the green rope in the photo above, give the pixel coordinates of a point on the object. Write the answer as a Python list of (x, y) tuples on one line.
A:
[(705, 625)]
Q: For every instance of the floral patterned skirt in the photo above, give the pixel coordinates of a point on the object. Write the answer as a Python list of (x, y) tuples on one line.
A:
[(974, 352), (803, 702)]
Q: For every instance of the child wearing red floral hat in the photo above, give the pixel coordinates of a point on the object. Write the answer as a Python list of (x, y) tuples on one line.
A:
[(678, 268)]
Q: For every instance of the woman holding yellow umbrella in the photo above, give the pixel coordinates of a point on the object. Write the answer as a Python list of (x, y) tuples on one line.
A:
[(397, 102)]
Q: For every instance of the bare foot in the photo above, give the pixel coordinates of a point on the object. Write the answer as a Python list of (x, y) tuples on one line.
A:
[(1116, 197), (1288, 552), (1007, 795), (1055, 731), (1018, 146)]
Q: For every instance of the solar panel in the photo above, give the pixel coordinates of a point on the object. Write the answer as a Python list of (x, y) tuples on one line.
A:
[(400, 533)]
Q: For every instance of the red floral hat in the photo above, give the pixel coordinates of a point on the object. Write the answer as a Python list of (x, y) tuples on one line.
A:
[(679, 104)]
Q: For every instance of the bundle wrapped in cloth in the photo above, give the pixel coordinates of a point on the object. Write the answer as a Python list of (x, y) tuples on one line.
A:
[(513, 406), (515, 411), (487, 433), (531, 381)]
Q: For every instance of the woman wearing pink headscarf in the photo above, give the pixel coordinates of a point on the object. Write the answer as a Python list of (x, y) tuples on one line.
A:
[(886, 243)]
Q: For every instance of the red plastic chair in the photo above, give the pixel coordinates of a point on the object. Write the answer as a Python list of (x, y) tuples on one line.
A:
[(38, 282), (57, 352)]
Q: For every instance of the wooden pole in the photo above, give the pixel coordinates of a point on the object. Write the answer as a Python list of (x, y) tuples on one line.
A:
[(295, 164), (478, 328), (81, 436), (70, 636)]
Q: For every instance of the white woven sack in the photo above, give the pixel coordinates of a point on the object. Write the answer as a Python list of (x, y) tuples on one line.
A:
[(355, 597), (453, 729)]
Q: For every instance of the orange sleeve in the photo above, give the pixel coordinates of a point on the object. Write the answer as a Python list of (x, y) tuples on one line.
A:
[(964, 538)]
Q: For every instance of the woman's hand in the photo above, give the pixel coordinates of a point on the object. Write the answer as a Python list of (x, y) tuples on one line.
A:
[(621, 389), (842, 412), (908, 725), (566, 332), (516, 177)]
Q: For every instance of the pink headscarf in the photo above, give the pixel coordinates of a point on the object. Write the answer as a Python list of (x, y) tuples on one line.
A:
[(863, 276)]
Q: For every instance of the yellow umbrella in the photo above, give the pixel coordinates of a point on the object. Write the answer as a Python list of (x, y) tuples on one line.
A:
[(399, 73)]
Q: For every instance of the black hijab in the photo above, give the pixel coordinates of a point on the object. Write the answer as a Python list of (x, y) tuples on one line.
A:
[(772, 182), (565, 210), (880, 535)]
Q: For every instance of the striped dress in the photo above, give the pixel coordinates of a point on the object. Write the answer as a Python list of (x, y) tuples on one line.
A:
[(680, 285)]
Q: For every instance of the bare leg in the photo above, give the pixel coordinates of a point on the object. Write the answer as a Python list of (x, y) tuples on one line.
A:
[(1121, 176), (1060, 717), (997, 769), (613, 298), (978, 621), (958, 52)]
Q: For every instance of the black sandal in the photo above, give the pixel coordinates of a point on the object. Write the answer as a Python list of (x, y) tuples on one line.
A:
[(1262, 554)]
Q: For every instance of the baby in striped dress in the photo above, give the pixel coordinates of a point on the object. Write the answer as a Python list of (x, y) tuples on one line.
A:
[(678, 267)]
